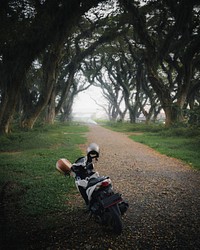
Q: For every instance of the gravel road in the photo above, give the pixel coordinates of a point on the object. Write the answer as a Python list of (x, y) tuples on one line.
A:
[(163, 194)]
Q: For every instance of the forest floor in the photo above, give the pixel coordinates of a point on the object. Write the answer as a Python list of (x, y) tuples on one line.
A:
[(163, 195)]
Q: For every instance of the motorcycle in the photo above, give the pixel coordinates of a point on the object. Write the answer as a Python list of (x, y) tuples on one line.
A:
[(106, 206)]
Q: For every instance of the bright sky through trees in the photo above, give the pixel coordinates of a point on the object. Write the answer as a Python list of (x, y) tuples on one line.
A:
[(86, 103)]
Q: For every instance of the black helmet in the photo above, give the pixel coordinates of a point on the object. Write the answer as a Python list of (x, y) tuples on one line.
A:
[(93, 151)]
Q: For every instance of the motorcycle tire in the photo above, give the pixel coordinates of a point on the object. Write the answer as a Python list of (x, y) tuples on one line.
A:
[(114, 221)]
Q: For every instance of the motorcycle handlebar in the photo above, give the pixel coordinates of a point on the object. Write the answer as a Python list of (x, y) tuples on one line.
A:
[(80, 167)]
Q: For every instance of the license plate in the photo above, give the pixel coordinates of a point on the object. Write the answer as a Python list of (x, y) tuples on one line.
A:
[(111, 200)]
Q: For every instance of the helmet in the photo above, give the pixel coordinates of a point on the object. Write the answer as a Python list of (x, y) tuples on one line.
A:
[(63, 166), (93, 151)]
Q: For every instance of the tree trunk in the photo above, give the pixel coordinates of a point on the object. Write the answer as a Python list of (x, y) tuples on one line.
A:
[(50, 66), (67, 110), (65, 90), (50, 109), (132, 116), (7, 112), (171, 115), (28, 120), (12, 82)]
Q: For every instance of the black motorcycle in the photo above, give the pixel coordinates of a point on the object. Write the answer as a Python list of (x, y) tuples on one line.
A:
[(106, 206)]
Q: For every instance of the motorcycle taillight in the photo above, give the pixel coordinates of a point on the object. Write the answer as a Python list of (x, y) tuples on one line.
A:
[(105, 183)]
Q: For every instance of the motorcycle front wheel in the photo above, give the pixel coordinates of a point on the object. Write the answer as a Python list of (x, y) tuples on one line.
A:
[(113, 219)]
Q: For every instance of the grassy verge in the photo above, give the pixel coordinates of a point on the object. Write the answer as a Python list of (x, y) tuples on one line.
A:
[(33, 194), (180, 142)]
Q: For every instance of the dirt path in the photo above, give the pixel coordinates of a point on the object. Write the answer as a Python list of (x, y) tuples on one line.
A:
[(163, 193)]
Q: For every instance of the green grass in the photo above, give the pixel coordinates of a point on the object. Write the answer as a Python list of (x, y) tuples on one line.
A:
[(180, 142), (31, 187)]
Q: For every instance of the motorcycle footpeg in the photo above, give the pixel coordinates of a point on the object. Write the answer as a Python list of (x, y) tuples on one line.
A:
[(111, 200)]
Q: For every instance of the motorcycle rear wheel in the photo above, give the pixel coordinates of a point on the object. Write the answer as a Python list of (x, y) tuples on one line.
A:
[(113, 219)]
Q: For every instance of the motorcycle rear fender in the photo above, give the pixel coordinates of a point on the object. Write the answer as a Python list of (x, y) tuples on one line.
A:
[(90, 190)]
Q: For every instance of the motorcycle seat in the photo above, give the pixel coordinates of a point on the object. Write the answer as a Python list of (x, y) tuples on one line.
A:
[(94, 181)]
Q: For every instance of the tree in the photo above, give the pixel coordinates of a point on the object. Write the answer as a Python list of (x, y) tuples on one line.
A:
[(96, 72), (79, 84), (151, 37), (169, 34), (39, 24), (50, 62)]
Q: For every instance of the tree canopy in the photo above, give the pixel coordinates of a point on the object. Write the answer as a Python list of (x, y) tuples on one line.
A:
[(149, 51)]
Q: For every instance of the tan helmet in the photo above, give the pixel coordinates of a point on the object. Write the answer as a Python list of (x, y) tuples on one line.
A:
[(63, 166)]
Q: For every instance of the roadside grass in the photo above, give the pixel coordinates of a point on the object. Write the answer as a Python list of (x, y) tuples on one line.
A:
[(179, 142), (33, 193)]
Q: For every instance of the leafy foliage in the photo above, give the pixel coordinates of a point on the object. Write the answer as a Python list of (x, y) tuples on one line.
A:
[(143, 54)]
